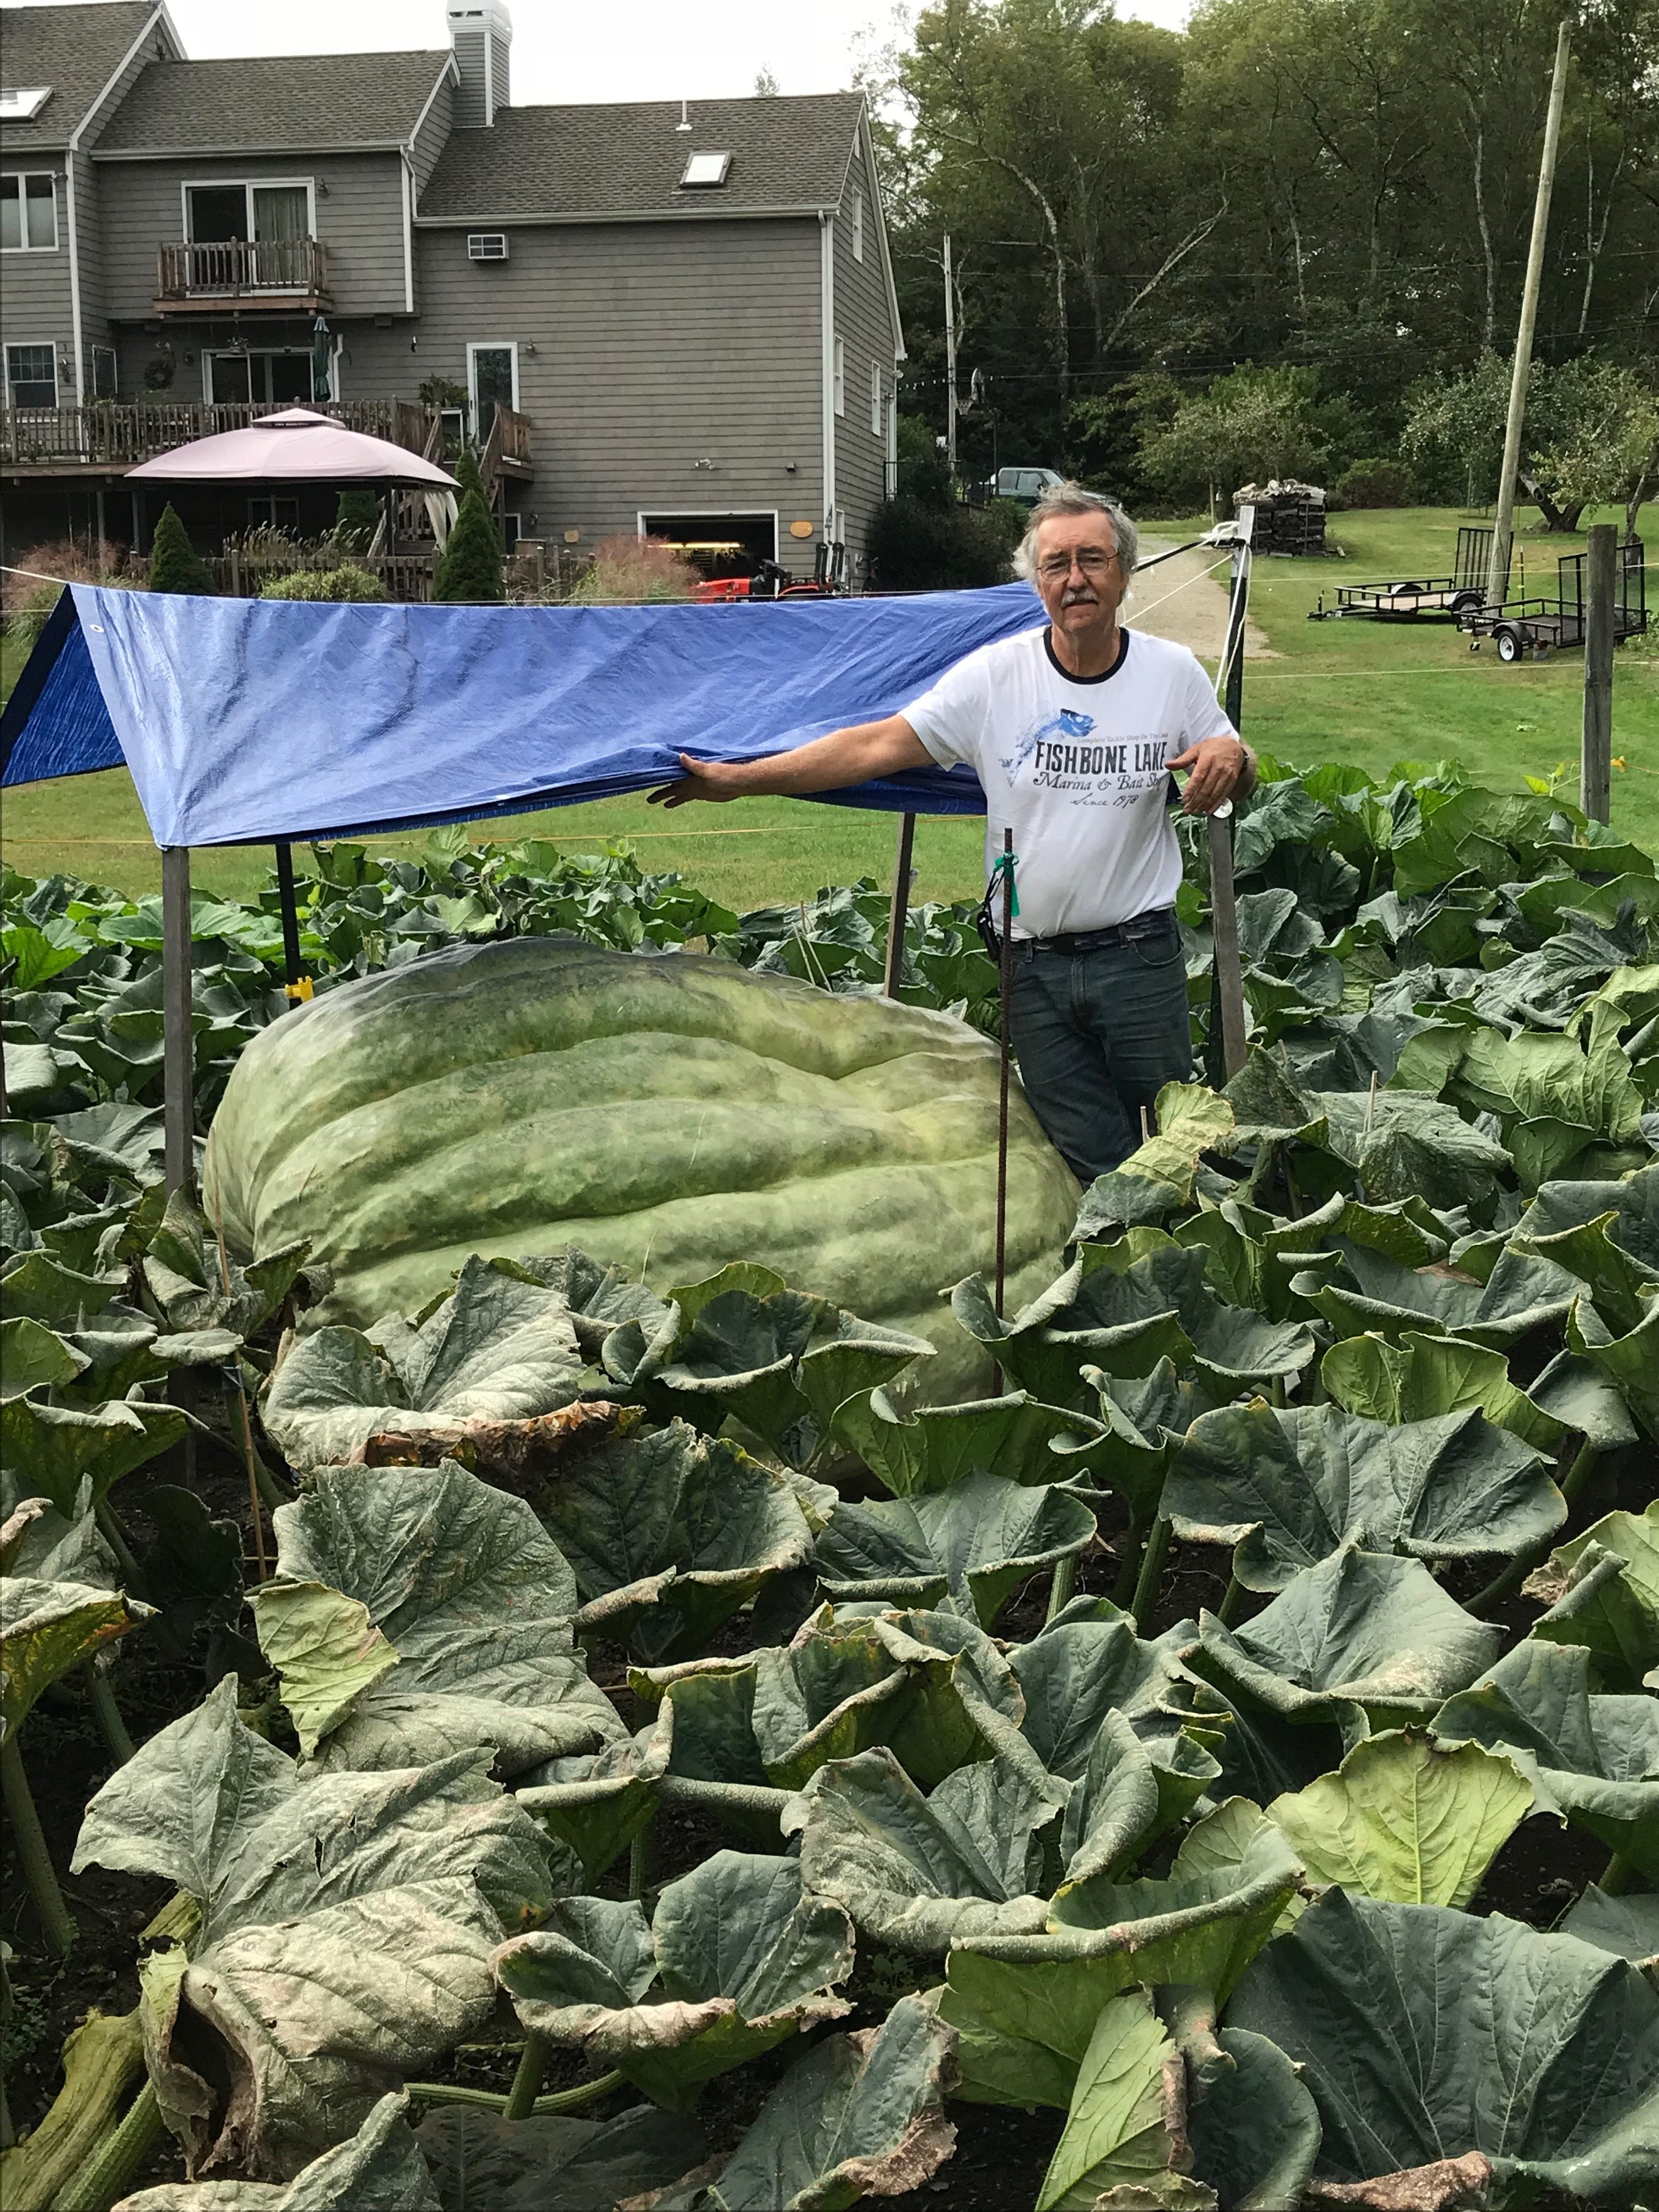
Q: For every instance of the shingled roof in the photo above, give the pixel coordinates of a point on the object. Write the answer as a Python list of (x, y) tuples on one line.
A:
[(76, 51), (626, 158), (272, 103)]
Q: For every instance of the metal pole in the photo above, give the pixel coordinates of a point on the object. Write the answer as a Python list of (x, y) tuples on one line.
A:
[(1007, 966), (1228, 998), (177, 1039), (1595, 757), (1498, 574), (950, 362), (290, 915), (900, 906)]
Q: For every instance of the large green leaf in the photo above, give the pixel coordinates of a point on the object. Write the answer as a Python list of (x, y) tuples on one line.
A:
[(50, 1451), (1428, 2036), (1631, 1362), (1602, 1591), (1626, 1926), (916, 1871), (975, 1542), (1423, 1376), (1593, 1760), (34, 1357), (597, 1802), (1522, 1293), (1157, 1179), (670, 1532), (861, 2115), (1362, 1631), (735, 1959), (347, 1923), (918, 1450), (1025, 2006), (1089, 1661), (378, 2169), (1287, 1486), (1406, 1820), (1255, 2133), (480, 2161), (1126, 2128), (498, 1349), (196, 1282), (743, 1345), (472, 1606), (46, 1628)]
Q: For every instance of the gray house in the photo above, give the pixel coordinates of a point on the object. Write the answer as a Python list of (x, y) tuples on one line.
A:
[(676, 320)]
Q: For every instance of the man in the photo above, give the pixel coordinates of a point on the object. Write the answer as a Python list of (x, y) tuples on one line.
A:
[(1073, 731)]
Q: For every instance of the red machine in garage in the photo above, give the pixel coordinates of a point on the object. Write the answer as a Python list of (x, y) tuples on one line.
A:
[(772, 581)]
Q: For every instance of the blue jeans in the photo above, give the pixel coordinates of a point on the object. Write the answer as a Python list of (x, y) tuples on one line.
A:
[(1098, 1036)]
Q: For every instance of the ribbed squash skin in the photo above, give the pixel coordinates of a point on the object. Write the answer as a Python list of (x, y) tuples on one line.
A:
[(667, 1113)]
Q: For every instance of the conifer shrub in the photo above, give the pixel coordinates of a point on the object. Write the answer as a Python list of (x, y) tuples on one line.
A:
[(174, 563)]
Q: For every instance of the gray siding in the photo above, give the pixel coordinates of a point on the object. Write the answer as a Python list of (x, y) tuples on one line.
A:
[(428, 140), (89, 209), (864, 322), (657, 344), (360, 221), (34, 287)]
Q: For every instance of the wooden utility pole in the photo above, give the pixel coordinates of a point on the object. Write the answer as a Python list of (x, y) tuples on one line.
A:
[(1503, 531), (1596, 757), (950, 361), (178, 1029)]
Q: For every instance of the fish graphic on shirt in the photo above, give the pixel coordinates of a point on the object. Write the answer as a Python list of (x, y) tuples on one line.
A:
[(1068, 723)]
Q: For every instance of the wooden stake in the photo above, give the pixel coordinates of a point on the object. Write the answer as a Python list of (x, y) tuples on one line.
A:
[(1596, 757), (900, 906), (1007, 966), (177, 1037)]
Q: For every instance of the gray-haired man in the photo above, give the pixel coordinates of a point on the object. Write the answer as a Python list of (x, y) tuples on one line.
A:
[(1073, 731)]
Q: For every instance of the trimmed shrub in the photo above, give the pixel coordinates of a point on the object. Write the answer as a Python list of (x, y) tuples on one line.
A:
[(916, 546), (174, 563), (357, 518), (346, 582), (469, 570), (1378, 482)]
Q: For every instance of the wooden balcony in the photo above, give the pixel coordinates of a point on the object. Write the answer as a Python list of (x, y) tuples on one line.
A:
[(108, 437), (281, 275)]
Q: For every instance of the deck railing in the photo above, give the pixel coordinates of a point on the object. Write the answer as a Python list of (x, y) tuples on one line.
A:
[(114, 434), (231, 268)]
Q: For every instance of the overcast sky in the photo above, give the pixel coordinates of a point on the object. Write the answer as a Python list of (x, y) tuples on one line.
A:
[(572, 50)]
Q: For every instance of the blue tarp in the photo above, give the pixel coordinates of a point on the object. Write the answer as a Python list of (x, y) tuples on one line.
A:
[(245, 721)]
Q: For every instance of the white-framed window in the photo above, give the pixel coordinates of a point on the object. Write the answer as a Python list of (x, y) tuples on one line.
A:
[(877, 426), (840, 376), (492, 380), (486, 246), (29, 212), (857, 224), (31, 375), (103, 372), (239, 210)]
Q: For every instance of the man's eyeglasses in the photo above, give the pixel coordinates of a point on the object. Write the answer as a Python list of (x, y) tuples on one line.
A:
[(1091, 560)]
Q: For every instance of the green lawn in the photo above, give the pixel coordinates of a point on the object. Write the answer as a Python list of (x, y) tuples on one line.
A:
[(1370, 693)]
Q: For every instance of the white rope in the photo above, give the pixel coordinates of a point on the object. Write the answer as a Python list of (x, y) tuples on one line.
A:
[(1135, 611), (33, 574)]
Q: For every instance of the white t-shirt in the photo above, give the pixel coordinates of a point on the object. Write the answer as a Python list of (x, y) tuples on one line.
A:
[(1075, 765)]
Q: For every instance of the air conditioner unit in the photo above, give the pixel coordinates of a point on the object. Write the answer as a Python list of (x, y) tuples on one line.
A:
[(486, 246)]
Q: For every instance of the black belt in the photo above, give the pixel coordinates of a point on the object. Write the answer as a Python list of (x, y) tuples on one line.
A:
[(1102, 940)]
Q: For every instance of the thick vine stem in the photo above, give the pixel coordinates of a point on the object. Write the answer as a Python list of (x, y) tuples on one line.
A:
[(1617, 1876), (57, 1923), (494, 2101), (104, 2179), (639, 1862), (521, 2097), (103, 2063), (1151, 1567), (101, 1693), (1062, 1584), (1227, 1611)]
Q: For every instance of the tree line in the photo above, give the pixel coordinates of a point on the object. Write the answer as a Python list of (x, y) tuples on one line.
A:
[(1290, 238)]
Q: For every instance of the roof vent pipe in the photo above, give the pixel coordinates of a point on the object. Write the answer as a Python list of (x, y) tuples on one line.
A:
[(480, 38), (685, 123)]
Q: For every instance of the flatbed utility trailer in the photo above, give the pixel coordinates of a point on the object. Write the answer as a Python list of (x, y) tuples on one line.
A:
[(1407, 599), (1532, 629)]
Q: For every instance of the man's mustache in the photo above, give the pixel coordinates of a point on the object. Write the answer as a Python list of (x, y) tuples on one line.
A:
[(1078, 596)]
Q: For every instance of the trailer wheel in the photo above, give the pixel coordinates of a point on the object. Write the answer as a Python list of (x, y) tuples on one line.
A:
[(1509, 645), (1465, 602), (1398, 591)]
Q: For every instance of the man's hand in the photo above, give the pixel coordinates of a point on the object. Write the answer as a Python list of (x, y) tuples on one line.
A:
[(1219, 766), (716, 779)]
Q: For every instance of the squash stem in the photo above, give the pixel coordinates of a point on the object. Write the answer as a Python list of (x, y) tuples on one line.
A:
[(1061, 1585), (104, 2176), (1128, 1564), (101, 1693), (639, 1862), (493, 2100), (1227, 1613), (521, 2097), (1616, 1876), (1152, 1568), (112, 1529), (56, 1923)]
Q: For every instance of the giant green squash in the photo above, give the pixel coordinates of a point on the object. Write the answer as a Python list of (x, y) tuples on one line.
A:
[(668, 1112)]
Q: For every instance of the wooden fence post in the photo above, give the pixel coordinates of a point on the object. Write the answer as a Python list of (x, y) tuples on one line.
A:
[(900, 906), (1595, 755), (178, 1035)]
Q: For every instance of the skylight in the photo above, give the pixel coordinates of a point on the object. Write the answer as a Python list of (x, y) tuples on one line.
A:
[(707, 169), (19, 102)]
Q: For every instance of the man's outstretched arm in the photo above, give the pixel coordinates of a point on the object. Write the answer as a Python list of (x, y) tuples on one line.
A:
[(845, 756)]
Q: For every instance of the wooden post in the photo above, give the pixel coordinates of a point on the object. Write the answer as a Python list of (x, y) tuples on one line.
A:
[(1223, 930), (290, 913), (900, 906), (1006, 963), (1503, 526), (178, 1035), (1595, 757)]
